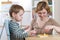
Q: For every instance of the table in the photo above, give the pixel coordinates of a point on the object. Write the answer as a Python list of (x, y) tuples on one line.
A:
[(50, 37)]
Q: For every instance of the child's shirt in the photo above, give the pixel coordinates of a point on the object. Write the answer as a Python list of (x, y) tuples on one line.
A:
[(16, 33)]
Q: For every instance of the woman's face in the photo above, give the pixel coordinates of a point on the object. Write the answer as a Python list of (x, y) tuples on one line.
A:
[(42, 13)]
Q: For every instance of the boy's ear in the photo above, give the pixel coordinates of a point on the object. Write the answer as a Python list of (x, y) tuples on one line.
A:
[(13, 14)]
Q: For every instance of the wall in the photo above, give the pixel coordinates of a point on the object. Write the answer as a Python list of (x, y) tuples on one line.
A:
[(57, 10)]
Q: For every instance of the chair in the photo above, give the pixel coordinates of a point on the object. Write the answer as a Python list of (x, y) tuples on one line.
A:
[(6, 22)]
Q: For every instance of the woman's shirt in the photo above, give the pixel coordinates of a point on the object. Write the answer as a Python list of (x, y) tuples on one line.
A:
[(16, 32), (42, 30)]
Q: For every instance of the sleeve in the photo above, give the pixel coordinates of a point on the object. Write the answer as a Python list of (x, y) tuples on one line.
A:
[(17, 31), (56, 30), (32, 24), (55, 23)]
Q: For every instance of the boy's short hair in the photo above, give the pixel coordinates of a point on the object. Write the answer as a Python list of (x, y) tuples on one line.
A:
[(15, 8)]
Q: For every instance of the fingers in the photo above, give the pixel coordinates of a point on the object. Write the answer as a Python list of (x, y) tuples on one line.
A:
[(49, 27)]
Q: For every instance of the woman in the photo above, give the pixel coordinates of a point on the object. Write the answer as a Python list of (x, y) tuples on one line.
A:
[(44, 24)]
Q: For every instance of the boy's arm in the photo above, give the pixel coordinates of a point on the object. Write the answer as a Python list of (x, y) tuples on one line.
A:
[(18, 31)]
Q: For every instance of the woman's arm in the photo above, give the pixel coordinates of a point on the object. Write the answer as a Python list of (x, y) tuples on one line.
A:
[(57, 29), (56, 26)]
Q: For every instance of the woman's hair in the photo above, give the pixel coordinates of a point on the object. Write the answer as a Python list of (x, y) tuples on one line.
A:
[(15, 8), (41, 5)]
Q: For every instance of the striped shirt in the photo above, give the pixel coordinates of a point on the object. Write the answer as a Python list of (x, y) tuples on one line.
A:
[(16, 33)]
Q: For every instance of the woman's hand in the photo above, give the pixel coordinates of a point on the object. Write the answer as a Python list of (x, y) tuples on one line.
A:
[(48, 28)]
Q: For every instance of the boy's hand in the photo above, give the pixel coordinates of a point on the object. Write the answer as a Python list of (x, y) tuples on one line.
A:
[(25, 27)]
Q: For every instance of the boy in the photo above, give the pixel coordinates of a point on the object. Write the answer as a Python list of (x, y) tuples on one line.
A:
[(16, 32)]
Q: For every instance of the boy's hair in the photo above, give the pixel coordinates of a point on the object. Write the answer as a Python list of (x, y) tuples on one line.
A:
[(15, 8)]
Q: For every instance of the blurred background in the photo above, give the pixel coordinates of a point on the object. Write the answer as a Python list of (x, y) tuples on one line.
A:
[(28, 5)]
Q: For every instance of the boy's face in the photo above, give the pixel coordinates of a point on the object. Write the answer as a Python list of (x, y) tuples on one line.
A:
[(18, 16)]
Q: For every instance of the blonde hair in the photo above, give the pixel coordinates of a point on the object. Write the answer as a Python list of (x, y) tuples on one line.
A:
[(41, 5)]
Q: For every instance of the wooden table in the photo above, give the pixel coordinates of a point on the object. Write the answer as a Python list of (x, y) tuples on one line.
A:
[(50, 37)]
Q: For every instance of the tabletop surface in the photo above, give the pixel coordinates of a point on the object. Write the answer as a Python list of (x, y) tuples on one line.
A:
[(50, 37)]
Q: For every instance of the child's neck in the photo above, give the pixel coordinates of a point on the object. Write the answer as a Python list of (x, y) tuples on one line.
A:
[(14, 20), (19, 22)]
